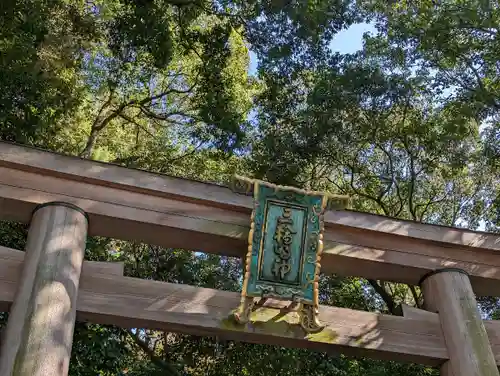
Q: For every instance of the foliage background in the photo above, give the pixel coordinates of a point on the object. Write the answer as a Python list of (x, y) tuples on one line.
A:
[(408, 126)]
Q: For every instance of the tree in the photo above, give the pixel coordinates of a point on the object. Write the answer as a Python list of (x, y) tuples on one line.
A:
[(368, 126), (458, 42), (40, 44), (163, 85), (146, 65)]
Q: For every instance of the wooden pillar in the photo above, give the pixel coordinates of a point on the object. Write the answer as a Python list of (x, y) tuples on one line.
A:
[(39, 332), (449, 293)]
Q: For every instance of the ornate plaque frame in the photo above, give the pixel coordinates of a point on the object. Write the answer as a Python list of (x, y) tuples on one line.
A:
[(285, 244)]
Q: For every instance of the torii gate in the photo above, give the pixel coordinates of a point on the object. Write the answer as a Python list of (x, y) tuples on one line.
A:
[(66, 198)]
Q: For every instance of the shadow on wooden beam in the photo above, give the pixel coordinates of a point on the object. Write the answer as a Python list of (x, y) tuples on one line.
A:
[(131, 302)]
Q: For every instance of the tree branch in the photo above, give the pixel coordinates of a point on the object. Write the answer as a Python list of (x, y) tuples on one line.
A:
[(413, 178), (415, 296), (133, 121), (156, 360), (182, 3), (393, 180), (388, 300), (341, 189), (94, 133), (481, 84), (186, 154), (367, 196), (427, 205), (166, 116), (165, 93)]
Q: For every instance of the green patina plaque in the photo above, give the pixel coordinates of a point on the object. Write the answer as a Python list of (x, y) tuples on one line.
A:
[(285, 246)]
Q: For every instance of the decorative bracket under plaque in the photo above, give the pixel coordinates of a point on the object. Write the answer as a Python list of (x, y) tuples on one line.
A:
[(284, 247)]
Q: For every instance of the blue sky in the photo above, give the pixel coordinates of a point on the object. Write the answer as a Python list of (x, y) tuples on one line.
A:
[(351, 40), (347, 41)]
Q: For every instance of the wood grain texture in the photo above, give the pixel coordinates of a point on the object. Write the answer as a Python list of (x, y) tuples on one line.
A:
[(11, 264), (450, 293), (127, 215), (410, 312), (39, 333), (492, 328), (131, 302), (98, 173), (89, 267), (191, 310)]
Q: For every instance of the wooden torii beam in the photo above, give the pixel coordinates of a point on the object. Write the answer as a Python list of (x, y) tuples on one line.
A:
[(106, 297), (131, 204), (64, 198), (136, 303)]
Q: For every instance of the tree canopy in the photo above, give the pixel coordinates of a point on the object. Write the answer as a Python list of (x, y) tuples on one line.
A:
[(408, 126)]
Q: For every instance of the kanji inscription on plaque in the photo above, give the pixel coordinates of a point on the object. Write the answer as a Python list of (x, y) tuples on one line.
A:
[(284, 247)]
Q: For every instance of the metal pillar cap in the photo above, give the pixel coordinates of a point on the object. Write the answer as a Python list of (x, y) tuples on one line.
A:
[(62, 203), (443, 270)]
